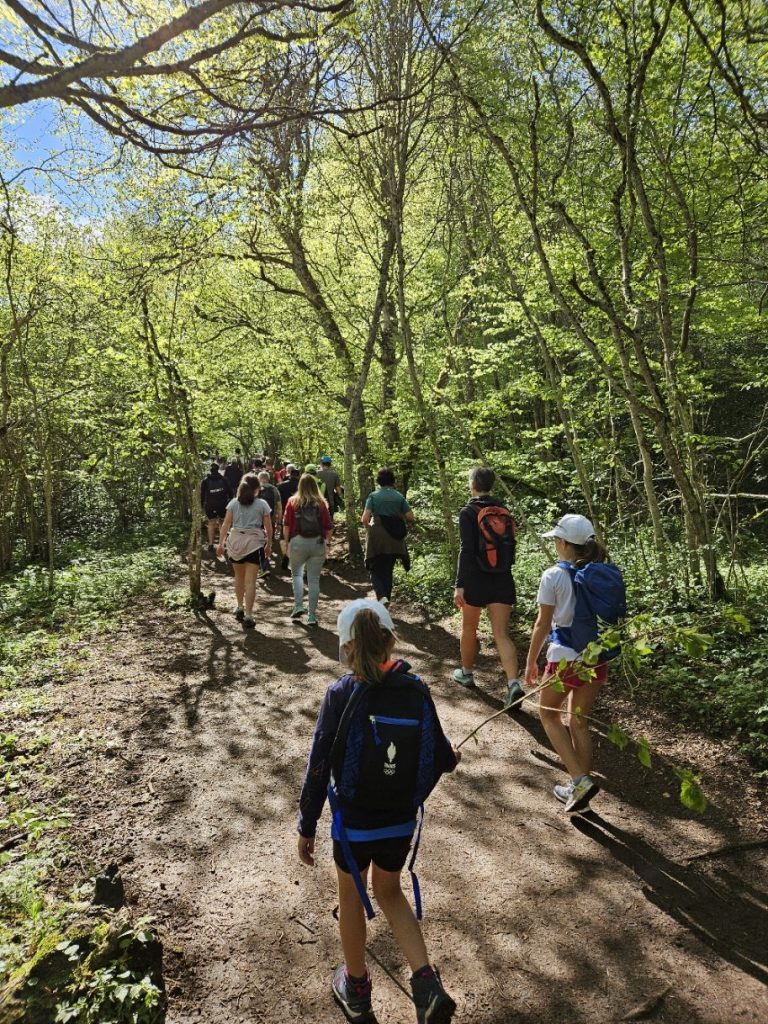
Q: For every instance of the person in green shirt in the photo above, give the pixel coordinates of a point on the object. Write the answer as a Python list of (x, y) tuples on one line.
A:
[(386, 518)]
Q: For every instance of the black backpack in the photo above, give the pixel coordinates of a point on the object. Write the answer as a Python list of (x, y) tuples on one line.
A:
[(309, 521), (383, 761)]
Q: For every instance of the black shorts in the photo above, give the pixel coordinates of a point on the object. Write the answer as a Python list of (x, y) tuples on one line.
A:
[(387, 854), (215, 517), (490, 588), (252, 558)]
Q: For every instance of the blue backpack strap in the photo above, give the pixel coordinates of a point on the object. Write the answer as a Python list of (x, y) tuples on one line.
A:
[(412, 861), (347, 851)]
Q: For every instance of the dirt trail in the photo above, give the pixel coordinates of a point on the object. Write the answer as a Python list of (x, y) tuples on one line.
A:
[(204, 731)]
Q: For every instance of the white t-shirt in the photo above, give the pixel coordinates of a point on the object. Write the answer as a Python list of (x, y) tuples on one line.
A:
[(556, 589)]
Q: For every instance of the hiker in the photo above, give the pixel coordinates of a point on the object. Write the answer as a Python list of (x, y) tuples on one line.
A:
[(271, 495), (307, 528), (381, 710), (286, 490), (215, 492), (484, 580), (571, 594), (247, 529), (233, 474), (386, 517), (311, 468), (332, 482)]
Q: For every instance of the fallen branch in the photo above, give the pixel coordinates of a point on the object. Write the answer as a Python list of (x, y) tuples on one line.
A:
[(647, 1008)]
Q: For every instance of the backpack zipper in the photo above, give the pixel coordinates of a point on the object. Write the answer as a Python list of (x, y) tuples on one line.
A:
[(384, 720)]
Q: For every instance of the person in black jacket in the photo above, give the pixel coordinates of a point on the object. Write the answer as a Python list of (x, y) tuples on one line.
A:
[(215, 492), (480, 586)]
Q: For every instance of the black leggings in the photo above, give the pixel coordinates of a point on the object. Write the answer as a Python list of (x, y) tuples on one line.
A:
[(380, 569)]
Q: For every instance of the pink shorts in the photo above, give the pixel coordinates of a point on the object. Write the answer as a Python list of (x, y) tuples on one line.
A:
[(571, 681)]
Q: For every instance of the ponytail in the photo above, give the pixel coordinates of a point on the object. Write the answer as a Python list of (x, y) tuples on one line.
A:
[(592, 551), (369, 646)]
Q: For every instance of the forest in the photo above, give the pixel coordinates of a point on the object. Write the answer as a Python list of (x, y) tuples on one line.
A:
[(524, 234)]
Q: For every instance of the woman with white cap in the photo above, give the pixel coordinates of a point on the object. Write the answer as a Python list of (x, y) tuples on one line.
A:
[(576, 547)]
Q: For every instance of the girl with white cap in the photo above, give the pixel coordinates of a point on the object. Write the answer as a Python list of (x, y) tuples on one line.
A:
[(576, 546)]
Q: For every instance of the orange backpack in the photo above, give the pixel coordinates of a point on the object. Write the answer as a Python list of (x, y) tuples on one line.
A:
[(497, 531)]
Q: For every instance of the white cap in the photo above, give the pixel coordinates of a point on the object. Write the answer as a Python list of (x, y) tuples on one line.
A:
[(347, 615), (574, 529)]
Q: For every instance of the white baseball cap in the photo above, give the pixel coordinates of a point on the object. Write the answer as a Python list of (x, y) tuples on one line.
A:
[(346, 620), (574, 529)]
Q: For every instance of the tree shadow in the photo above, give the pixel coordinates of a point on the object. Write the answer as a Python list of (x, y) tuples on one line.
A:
[(720, 916)]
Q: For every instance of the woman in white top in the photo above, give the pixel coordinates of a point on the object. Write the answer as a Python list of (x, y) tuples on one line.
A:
[(575, 543), (247, 530)]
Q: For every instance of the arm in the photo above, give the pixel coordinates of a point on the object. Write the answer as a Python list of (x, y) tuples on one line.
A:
[(466, 549), (541, 630), (289, 520), (225, 528), (318, 773), (366, 517)]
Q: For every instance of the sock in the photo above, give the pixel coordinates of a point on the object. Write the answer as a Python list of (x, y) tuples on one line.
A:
[(466, 671), (427, 971), (515, 680), (240, 608), (356, 982)]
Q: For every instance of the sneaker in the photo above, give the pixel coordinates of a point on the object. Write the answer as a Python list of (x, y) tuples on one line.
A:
[(583, 791), (384, 600), (355, 1000), (248, 622), (563, 793), (464, 678), (433, 1004), (297, 612), (311, 620), (265, 572), (240, 614), (514, 693)]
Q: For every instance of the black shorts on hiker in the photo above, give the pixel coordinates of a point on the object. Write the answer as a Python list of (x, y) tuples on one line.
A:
[(252, 558), (488, 588), (387, 854), (215, 517)]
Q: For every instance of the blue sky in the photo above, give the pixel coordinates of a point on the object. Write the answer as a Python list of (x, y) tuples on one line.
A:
[(54, 150)]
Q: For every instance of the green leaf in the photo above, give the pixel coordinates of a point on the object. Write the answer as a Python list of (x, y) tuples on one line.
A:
[(618, 737), (643, 752), (691, 794)]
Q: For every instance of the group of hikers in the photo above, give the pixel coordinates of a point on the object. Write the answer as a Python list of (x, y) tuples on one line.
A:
[(378, 748)]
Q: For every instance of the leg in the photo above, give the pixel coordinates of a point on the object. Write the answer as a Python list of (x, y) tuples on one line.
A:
[(499, 616), (470, 618), (582, 698), (314, 568), (377, 576), (212, 524), (297, 562), (550, 703), (251, 575), (352, 923), (239, 568), (401, 918), (388, 569)]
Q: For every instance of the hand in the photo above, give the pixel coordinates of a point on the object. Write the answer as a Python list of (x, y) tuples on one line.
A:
[(456, 752), (268, 551), (458, 597), (531, 673), (306, 851), (220, 549)]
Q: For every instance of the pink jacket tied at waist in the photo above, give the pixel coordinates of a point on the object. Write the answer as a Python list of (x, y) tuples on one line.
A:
[(243, 542)]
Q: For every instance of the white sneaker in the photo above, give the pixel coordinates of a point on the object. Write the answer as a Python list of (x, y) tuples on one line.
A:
[(384, 600), (563, 793), (583, 791)]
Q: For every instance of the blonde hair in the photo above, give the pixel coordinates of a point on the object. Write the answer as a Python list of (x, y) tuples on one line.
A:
[(308, 492), (369, 646)]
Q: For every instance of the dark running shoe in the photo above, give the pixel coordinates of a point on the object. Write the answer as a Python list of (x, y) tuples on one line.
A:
[(249, 622), (355, 1000), (433, 1004), (240, 614), (515, 694)]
